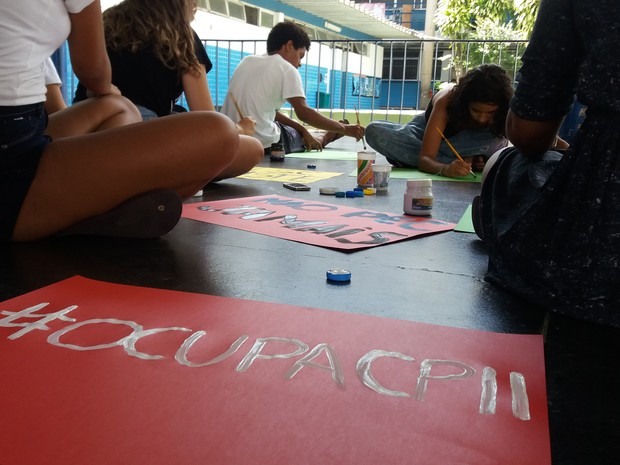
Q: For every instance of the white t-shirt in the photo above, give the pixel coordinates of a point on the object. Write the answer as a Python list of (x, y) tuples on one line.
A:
[(261, 84), (30, 31), (51, 74)]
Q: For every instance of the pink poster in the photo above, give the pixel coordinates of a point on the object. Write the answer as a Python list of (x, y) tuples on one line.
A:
[(98, 373), (311, 222)]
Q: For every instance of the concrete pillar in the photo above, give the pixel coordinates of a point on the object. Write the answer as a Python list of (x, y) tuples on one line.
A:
[(427, 55)]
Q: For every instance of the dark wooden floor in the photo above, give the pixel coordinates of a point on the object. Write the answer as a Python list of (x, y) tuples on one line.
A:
[(436, 279)]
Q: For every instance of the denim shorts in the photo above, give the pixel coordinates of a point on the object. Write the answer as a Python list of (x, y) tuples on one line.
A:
[(146, 113), (22, 142)]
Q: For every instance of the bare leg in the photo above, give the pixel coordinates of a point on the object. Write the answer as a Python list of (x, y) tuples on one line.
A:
[(91, 115), (250, 154), (85, 176)]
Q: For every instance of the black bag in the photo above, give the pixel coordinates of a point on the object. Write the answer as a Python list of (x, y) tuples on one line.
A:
[(291, 139)]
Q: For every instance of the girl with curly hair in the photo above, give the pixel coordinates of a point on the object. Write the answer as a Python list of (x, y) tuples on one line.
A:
[(472, 116), (156, 56)]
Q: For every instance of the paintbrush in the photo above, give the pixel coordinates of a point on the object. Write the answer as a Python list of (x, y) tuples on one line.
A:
[(234, 101), (453, 149), (357, 117)]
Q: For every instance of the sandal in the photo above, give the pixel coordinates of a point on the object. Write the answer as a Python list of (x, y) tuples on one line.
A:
[(144, 216)]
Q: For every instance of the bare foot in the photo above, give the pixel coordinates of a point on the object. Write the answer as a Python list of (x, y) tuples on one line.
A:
[(331, 136)]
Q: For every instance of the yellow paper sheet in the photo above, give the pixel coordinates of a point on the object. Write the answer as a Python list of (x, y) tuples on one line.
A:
[(260, 173)]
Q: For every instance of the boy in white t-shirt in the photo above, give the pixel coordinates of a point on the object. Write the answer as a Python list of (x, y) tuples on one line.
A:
[(54, 100), (262, 83)]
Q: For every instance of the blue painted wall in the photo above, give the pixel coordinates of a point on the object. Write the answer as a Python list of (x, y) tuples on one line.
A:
[(393, 93)]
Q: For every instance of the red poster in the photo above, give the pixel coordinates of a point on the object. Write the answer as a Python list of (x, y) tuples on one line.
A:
[(311, 222), (99, 374)]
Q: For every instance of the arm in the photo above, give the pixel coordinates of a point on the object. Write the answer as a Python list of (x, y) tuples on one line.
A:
[(309, 140), (547, 82), (314, 118), (432, 140), (196, 88), (87, 49), (533, 138), (53, 99), (198, 96)]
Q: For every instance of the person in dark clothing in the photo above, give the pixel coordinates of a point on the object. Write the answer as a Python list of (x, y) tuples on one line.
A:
[(552, 220)]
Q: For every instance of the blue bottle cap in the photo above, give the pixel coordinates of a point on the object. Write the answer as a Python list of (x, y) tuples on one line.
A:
[(338, 274), (350, 194)]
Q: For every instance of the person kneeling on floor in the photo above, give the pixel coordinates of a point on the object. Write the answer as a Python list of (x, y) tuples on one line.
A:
[(263, 83)]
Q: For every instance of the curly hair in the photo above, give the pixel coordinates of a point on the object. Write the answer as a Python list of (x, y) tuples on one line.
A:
[(485, 84), (282, 32), (162, 26)]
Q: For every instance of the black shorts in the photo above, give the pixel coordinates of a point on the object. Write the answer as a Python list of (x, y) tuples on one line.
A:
[(22, 142), (291, 140)]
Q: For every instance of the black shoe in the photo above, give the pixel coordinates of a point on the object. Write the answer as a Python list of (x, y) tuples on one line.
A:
[(144, 216)]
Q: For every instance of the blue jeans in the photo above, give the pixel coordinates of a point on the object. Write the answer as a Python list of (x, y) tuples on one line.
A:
[(401, 144), (22, 141), (146, 113)]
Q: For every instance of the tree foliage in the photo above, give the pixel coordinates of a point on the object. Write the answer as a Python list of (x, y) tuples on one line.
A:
[(526, 14), (480, 23), (460, 19)]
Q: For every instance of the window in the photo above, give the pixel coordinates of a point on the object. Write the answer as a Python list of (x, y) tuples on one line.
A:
[(400, 62), (236, 11), (218, 6), (267, 19), (322, 35), (251, 15), (310, 31)]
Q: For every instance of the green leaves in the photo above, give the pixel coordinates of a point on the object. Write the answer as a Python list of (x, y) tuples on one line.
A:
[(461, 19), (481, 22)]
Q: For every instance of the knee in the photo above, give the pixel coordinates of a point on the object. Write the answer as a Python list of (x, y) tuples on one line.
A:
[(254, 148), (372, 131), (222, 133), (117, 104), (229, 133)]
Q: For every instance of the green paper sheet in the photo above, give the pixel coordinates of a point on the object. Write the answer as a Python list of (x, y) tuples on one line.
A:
[(326, 154), (465, 224), (408, 173)]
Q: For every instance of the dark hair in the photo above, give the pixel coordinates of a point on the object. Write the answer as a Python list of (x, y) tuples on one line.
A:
[(484, 84), (282, 32)]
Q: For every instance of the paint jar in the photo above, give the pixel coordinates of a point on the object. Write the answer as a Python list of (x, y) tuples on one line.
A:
[(277, 152), (418, 197), (365, 160), (381, 176)]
